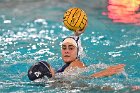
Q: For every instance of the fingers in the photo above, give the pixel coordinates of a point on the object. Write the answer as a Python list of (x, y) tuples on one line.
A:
[(116, 69), (78, 32)]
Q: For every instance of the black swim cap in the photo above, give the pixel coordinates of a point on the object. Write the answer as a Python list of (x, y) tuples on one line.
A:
[(39, 70)]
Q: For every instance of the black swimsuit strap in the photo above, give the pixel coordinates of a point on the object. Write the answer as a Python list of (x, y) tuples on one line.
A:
[(63, 68)]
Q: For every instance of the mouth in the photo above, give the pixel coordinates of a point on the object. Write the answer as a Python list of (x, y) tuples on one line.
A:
[(66, 56)]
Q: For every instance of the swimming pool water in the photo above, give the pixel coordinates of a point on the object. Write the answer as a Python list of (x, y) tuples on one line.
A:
[(31, 31)]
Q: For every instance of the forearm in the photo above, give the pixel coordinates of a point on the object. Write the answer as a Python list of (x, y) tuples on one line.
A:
[(109, 71), (102, 74)]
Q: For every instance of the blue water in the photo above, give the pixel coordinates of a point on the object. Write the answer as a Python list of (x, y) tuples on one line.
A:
[(31, 31)]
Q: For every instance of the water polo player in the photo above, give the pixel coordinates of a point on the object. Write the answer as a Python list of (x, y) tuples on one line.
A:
[(40, 70), (70, 50), (70, 54)]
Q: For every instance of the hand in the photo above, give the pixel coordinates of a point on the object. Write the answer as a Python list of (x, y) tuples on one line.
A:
[(79, 31), (109, 71), (116, 69)]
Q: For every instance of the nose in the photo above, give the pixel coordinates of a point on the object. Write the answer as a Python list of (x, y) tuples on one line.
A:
[(66, 51)]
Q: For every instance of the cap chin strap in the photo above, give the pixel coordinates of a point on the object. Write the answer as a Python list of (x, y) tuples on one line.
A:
[(78, 56)]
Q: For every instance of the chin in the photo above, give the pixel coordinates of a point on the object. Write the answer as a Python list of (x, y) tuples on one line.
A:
[(66, 60)]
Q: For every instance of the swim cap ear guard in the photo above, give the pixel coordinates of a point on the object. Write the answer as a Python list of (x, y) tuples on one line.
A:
[(39, 70)]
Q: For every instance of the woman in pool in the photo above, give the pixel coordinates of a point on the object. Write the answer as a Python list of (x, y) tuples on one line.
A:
[(70, 54)]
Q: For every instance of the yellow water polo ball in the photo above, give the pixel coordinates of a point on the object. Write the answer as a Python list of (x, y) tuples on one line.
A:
[(75, 19)]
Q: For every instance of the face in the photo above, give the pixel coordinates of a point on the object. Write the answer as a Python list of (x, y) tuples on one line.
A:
[(69, 52)]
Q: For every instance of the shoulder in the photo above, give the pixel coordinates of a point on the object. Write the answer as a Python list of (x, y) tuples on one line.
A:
[(73, 66), (78, 64)]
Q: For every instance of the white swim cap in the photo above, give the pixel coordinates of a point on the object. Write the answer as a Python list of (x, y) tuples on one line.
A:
[(70, 40), (74, 40)]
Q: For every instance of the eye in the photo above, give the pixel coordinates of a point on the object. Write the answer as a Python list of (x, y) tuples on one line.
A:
[(70, 48), (64, 48)]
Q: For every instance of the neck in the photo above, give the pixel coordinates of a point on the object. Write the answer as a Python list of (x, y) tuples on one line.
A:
[(72, 61)]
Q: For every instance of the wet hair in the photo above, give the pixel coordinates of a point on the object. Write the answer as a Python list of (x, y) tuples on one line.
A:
[(39, 70)]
